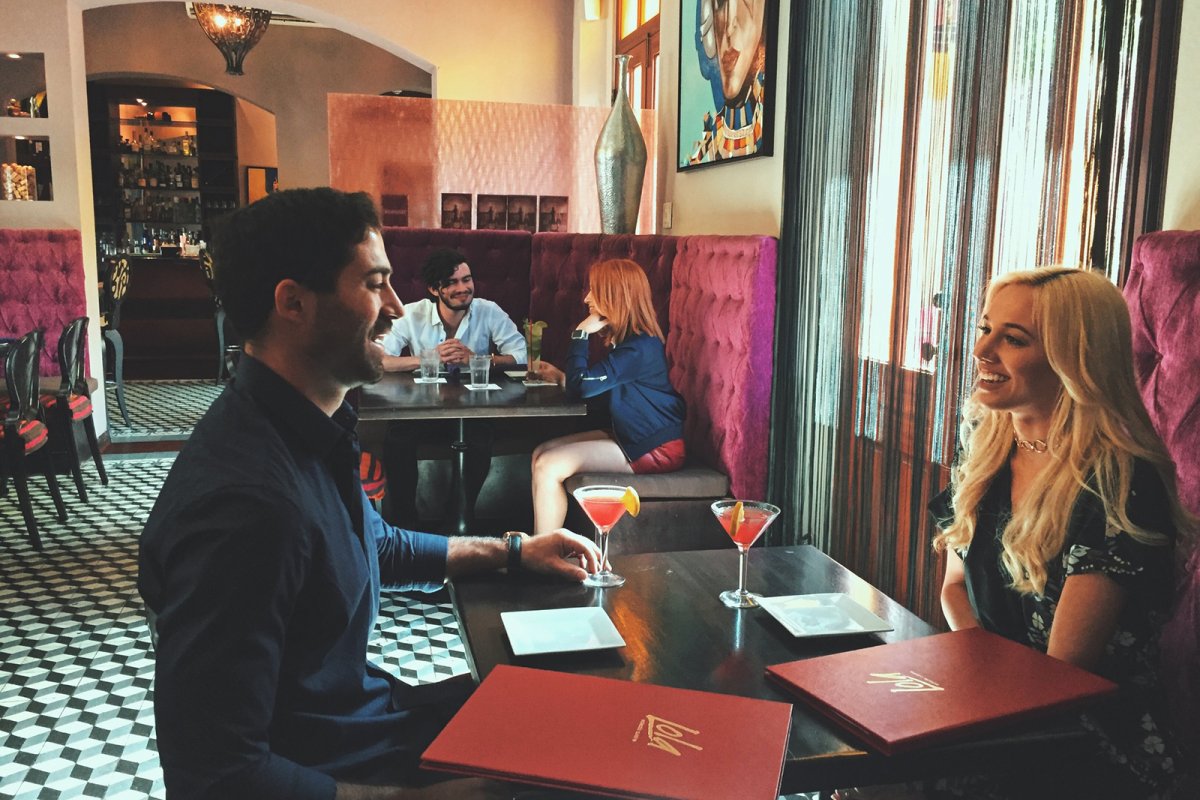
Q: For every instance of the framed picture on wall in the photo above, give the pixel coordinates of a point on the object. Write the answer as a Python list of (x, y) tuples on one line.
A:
[(456, 211), (726, 80), (260, 182), (395, 210), (552, 214), (522, 212), (492, 212)]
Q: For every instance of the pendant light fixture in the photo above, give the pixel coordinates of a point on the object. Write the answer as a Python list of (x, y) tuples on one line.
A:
[(233, 29)]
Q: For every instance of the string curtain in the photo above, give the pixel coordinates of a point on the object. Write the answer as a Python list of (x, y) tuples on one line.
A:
[(932, 144)]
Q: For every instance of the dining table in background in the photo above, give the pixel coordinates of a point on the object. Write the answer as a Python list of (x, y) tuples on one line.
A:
[(678, 633), (400, 396)]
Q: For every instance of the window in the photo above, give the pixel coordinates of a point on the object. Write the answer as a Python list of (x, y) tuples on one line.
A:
[(637, 37)]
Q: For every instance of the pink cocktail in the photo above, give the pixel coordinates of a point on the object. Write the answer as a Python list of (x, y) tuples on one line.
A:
[(604, 506), (755, 518)]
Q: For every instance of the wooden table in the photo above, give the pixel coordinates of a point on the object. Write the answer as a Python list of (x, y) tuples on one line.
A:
[(678, 633), (399, 396)]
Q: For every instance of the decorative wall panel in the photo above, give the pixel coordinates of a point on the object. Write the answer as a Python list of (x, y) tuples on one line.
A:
[(421, 148)]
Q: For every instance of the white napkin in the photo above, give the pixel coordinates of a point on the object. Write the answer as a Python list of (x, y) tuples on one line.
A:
[(483, 388), (540, 383), (429, 380)]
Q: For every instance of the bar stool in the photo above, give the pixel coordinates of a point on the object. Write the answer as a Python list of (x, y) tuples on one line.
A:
[(114, 285)]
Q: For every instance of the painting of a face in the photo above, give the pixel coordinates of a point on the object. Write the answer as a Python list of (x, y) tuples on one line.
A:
[(738, 31)]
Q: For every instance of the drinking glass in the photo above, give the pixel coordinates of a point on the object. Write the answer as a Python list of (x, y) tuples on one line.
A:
[(431, 363), (604, 505), (756, 517), (481, 369)]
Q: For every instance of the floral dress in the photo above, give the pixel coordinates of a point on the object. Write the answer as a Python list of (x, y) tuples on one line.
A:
[(1132, 731)]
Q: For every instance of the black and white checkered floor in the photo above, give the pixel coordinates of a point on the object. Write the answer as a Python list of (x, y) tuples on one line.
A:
[(76, 670), (159, 410)]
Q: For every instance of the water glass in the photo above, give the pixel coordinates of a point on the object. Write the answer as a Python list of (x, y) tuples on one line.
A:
[(481, 368), (431, 362)]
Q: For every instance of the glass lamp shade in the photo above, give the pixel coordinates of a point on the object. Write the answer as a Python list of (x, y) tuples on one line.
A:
[(233, 29)]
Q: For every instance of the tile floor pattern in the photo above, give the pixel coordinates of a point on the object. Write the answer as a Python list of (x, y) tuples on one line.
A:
[(159, 410), (76, 672)]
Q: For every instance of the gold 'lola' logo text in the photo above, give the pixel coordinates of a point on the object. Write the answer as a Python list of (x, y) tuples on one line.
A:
[(665, 735), (906, 683)]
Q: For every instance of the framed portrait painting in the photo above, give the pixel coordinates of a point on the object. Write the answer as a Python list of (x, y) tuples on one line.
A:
[(726, 80)]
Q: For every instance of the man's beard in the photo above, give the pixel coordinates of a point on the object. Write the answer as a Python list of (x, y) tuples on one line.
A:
[(464, 304), (351, 358)]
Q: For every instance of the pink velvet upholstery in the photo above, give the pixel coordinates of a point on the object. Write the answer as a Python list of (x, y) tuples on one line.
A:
[(720, 349), (499, 263), (41, 286), (1163, 293), (558, 279)]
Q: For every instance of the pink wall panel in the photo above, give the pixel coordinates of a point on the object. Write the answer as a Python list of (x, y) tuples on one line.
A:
[(422, 148)]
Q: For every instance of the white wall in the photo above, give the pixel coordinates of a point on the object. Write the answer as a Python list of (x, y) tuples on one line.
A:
[(1182, 202)]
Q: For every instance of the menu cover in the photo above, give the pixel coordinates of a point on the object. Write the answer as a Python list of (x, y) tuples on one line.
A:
[(615, 737), (920, 692)]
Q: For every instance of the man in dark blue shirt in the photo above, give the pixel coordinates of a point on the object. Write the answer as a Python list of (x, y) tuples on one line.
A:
[(262, 559)]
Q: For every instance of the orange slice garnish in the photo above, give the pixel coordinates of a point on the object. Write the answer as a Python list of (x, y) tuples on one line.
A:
[(736, 517), (631, 501)]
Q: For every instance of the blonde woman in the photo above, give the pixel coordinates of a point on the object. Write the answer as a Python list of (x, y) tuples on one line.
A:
[(1061, 516), (647, 413)]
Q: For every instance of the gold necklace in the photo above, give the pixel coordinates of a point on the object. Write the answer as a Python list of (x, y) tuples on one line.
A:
[(1034, 446)]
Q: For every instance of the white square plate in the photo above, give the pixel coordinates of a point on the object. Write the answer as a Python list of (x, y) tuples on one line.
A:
[(560, 630), (813, 615)]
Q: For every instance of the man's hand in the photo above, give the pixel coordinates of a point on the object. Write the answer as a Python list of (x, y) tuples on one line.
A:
[(453, 351), (561, 552), (593, 324)]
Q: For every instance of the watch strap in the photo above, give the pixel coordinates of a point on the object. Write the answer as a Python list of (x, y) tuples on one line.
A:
[(515, 539)]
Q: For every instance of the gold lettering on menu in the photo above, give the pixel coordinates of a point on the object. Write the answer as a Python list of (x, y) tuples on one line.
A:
[(667, 735), (906, 683)]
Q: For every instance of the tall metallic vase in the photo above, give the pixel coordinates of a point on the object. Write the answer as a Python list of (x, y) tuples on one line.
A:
[(620, 162)]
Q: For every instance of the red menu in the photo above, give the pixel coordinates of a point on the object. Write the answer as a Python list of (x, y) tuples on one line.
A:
[(615, 737), (922, 692)]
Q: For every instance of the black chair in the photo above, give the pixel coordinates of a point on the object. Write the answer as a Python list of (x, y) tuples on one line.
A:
[(226, 354), (24, 435), (71, 405), (114, 282)]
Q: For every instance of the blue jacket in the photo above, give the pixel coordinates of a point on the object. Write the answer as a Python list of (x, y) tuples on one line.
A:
[(646, 411)]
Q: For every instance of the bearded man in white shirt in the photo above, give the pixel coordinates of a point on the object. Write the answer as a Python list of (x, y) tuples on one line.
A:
[(458, 325)]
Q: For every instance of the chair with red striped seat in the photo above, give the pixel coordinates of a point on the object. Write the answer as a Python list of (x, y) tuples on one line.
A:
[(374, 482), (70, 407), (24, 435)]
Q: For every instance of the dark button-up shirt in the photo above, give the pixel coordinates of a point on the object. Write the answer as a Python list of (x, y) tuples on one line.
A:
[(262, 560)]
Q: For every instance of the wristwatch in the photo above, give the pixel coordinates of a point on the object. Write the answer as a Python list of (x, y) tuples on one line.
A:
[(579, 334), (514, 540)]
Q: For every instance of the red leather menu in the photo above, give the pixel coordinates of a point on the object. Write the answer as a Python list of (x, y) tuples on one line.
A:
[(921, 692), (615, 737)]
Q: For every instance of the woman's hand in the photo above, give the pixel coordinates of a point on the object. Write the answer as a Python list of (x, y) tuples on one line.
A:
[(594, 323), (545, 371)]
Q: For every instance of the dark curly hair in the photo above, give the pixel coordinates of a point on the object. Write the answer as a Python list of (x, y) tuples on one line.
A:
[(307, 235)]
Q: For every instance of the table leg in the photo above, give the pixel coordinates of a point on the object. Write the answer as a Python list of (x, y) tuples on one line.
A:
[(464, 514)]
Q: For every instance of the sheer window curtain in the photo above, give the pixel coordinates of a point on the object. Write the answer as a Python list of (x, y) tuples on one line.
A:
[(932, 145)]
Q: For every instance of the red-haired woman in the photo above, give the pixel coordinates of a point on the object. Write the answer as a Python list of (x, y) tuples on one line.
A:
[(647, 413)]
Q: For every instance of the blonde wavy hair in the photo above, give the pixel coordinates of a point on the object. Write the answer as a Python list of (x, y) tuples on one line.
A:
[(1098, 427), (621, 291)]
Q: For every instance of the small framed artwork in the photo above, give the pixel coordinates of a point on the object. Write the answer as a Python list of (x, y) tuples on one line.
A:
[(726, 80), (552, 214), (522, 212), (260, 182), (395, 210), (456, 211), (492, 212)]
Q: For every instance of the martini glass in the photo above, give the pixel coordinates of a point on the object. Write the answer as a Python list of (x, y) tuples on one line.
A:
[(755, 519), (604, 506)]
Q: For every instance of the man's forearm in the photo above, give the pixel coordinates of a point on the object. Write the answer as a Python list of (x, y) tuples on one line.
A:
[(468, 554), (400, 363)]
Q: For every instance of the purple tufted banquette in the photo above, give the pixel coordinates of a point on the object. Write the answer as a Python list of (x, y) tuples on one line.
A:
[(41, 286), (1163, 293)]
